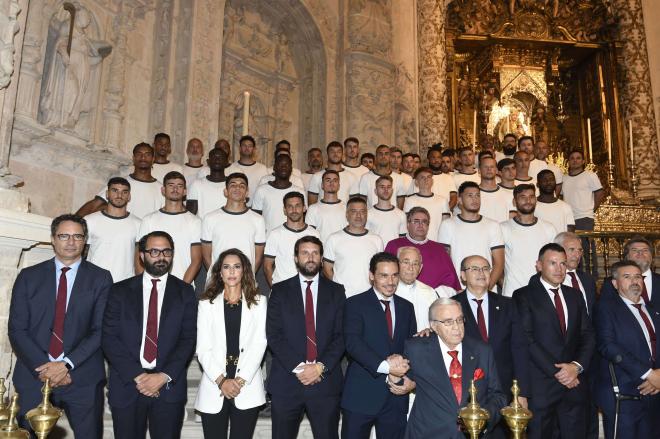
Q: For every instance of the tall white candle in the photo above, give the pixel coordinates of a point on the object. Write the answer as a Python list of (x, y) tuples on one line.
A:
[(246, 112), (609, 141), (591, 152), (630, 139), (474, 131)]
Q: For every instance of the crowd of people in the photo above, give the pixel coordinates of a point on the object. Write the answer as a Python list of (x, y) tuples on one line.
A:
[(376, 287)]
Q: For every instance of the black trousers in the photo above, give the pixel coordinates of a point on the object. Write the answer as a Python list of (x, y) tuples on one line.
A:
[(565, 419), (163, 419), (637, 419), (390, 423), (287, 413), (240, 423)]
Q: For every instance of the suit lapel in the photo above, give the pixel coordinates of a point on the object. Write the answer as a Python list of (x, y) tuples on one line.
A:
[(377, 308), (631, 321), (323, 308), (471, 326), (436, 363), (543, 300), (468, 367), (135, 302), (494, 315), (246, 321), (77, 294), (49, 292), (400, 319)]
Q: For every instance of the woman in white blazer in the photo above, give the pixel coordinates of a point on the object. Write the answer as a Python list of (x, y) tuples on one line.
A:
[(231, 341)]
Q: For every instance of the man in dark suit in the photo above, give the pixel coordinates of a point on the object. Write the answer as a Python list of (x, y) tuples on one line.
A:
[(304, 331), (492, 318), (149, 335), (560, 343), (47, 348), (442, 391), (626, 337), (376, 325)]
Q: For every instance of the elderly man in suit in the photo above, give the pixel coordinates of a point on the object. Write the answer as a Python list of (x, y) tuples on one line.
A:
[(560, 343), (442, 391), (44, 295), (149, 335), (626, 337)]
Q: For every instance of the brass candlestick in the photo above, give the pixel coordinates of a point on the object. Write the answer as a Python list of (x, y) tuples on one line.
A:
[(10, 430), (473, 416), (44, 417), (634, 180), (517, 417), (4, 410)]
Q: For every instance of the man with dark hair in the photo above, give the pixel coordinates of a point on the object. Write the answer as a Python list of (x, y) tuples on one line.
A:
[(560, 344), (162, 164), (376, 325), (347, 180), (526, 144), (509, 146), (246, 164), (367, 160), (206, 194), (467, 172), (329, 214), (496, 202), (417, 160), (314, 165), (296, 175), (507, 172), (348, 251), (306, 373), (408, 164), (385, 219), (45, 296), (147, 358), (549, 207), (521, 158), (367, 185), (278, 263), (194, 166), (113, 232), (396, 163), (352, 159), (538, 164), (437, 205), (443, 182)]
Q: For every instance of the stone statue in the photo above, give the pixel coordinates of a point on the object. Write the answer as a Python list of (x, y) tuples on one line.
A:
[(68, 77), (8, 29)]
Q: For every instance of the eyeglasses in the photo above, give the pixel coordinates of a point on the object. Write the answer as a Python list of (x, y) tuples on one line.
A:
[(450, 322), (478, 269), (155, 252), (418, 222), (67, 236)]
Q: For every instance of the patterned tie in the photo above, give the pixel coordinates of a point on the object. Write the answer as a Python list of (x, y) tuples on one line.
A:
[(481, 320), (388, 316), (151, 336), (309, 322), (56, 346), (455, 371), (645, 293), (560, 311), (649, 328)]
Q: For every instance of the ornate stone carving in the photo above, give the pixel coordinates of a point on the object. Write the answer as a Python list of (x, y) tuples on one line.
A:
[(370, 26), (8, 29), (160, 66)]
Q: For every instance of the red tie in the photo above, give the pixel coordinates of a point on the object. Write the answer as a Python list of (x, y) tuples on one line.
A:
[(56, 346), (309, 322), (455, 371), (151, 337), (645, 293), (388, 316), (649, 328), (481, 321), (560, 311), (574, 281)]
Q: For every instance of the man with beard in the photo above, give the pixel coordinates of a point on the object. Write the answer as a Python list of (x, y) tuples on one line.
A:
[(314, 163), (521, 159), (113, 232), (382, 167), (329, 214), (467, 172), (509, 144), (194, 166), (352, 160), (247, 165), (162, 164), (305, 336), (408, 164), (385, 219), (496, 202), (367, 161), (149, 335), (437, 205), (524, 235), (347, 180), (280, 242), (206, 194), (549, 207), (442, 168), (538, 164)]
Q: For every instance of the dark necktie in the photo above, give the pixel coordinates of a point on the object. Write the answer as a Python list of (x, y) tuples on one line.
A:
[(649, 328), (559, 307), (309, 322), (574, 281), (481, 320), (56, 346), (455, 372), (388, 316), (645, 292), (151, 336)]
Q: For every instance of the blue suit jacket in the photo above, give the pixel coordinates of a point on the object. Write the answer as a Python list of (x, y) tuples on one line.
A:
[(608, 291), (122, 338), (285, 329), (589, 284), (31, 316), (367, 345), (435, 411)]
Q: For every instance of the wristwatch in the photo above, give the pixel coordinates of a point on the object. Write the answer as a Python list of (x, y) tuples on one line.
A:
[(580, 369), (67, 365)]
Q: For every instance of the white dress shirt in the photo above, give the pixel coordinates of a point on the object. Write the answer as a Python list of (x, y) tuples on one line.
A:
[(315, 291), (384, 366), (641, 323), (70, 279), (445, 354), (146, 295), (648, 281), (551, 295), (568, 282), (484, 307)]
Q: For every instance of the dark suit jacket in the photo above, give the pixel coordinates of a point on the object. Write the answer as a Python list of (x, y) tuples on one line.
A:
[(505, 337), (31, 316), (589, 284), (285, 329), (620, 340), (608, 291), (122, 338), (435, 411), (547, 345), (367, 345)]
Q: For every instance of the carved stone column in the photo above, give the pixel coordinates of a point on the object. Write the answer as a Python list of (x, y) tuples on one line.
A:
[(433, 111), (636, 94)]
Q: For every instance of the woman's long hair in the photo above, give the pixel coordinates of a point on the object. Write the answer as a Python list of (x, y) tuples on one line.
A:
[(216, 285)]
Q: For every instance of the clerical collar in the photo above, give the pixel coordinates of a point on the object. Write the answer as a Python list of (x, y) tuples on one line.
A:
[(415, 241)]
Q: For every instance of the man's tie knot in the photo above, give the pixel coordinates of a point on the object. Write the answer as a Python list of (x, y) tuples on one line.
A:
[(638, 306), (555, 290), (453, 355), (478, 301), (65, 269), (386, 303), (309, 283), (154, 283)]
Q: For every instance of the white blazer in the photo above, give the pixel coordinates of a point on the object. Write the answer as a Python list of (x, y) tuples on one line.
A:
[(212, 354)]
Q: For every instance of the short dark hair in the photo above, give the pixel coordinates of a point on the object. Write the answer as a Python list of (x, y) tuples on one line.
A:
[(551, 247), (637, 239), (544, 172), (385, 177), (119, 180), (576, 151), (422, 169), (449, 152), (356, 200), (431, 150), (523, 187), (247, 137), (174, 175), (467, 185), (142, 145), (394, 149), (351, 139), (416, 156), (379, 258), (161, 136), (510, 135), (505, 162), (621, 264), (485, 153), (383, 146), (523, 138), (67, 217), (142, 244), (283, 142), (367, 155), (417, 209), (329, 171), (293, 194), (311, 150), (463, 149), (237, 176), (408, 154), (334, 144), (307, 239)]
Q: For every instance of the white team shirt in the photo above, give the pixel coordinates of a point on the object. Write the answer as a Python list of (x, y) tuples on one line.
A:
[(521, 250), (192, 173), (185, 229), (496, 204), (158, 171), (536, 166), (357, 171), (467, 238), (225, 230), (269, 201), (295, 179), (443, 185), (578, 191), (145, 196), (208, 194), (388, 224), (348, 185), (437, 206), (367, 187), (111, 243), (460, 177), (350, 255), (328, 218), (532, 180), (306, 178), (558, 213), (280, 244), (254, 172)]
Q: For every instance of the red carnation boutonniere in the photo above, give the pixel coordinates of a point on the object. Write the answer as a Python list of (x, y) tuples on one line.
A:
[(478, 374)]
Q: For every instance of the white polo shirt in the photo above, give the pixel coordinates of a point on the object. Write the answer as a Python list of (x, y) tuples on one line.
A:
[(328, 218), (145, 196), (557, 213), (578, 191), (269, 201), (388, 224), (208, 194), (280, 244), (111, 243)]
